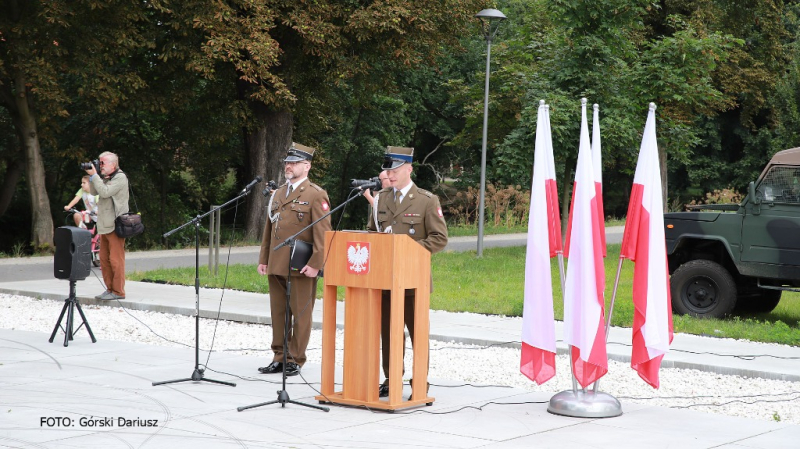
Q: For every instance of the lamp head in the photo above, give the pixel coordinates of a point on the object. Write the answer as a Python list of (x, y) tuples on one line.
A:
[(490, 21)]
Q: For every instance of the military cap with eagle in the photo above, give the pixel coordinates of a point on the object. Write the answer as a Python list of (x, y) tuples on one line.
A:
[(396, 157), (299, 153)]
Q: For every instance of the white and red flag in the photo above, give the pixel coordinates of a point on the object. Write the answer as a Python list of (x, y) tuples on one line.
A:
[(584, 307), (597, 164), (643, 243), (538, 361)]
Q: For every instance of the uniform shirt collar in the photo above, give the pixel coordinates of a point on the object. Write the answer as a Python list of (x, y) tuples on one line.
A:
[(404, 190), (295, 185)]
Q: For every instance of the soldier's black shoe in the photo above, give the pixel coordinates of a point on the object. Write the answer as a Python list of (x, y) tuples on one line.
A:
[(272, 368), (292, 369), (383, 391)]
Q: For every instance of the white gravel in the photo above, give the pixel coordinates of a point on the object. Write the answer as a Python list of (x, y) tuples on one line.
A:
[(770, 400)]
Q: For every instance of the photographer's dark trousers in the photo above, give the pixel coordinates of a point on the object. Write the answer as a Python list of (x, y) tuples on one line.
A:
[(112, 262)]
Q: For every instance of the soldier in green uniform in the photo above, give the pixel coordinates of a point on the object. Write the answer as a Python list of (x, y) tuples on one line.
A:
[(403, 208), (292, 207)]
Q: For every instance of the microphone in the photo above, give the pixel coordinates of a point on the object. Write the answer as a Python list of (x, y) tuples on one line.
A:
[(364, 184), (271, 186), (252, 184)]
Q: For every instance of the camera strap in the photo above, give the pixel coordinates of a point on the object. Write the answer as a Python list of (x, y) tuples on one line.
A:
[(130, 190)]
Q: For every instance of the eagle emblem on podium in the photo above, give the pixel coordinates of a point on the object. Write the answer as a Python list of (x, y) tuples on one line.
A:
[(358, 257)]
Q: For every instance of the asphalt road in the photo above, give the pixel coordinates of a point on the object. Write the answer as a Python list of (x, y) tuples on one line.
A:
[(32, 268)]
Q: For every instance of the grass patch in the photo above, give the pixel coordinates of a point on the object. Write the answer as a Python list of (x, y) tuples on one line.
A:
[(470, 230), (239, 277), (463, 230), (493, 285)]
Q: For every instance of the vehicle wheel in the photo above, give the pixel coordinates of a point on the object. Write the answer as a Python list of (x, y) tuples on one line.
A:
[(703, 289), (764, 301), (95, 260)]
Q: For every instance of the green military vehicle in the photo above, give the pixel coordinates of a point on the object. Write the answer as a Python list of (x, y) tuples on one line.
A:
[(739, 257)]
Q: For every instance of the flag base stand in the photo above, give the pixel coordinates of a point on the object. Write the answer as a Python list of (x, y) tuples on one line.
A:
[(584, 404)]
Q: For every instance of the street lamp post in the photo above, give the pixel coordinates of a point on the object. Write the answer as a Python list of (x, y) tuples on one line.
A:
[(490, 21)]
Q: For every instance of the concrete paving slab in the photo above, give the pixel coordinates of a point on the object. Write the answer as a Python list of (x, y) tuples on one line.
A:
[(772, 440), (105, 391)]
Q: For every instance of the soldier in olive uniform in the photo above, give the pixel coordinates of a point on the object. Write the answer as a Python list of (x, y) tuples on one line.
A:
[(403, 208), (293, 206)]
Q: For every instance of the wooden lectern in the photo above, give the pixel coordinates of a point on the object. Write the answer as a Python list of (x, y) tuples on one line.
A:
[(364, 264)]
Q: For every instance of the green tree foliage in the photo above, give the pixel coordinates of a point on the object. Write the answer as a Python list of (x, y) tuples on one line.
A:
[(47, 44), (684, 56), (712, 151), (182, 87), (199, 97), (289, 57)]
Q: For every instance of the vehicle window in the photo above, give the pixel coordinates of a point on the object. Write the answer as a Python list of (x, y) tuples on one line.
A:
[(782, 185)]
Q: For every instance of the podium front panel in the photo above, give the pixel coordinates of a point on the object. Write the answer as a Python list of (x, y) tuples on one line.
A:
[(375, 260)]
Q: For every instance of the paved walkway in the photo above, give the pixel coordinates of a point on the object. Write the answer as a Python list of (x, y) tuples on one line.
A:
[(111, 379), (687, 351)]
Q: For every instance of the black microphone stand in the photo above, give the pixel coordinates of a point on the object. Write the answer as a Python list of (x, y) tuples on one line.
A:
[(197, 374), (283, 395)]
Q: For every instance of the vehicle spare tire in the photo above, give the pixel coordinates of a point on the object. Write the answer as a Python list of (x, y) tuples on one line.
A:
[(703, 289)]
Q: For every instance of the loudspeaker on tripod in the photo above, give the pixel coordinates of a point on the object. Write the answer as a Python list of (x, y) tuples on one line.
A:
[(73, 259)]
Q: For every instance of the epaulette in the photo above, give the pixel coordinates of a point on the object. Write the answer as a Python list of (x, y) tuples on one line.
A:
[(316, 187), (425, 192)]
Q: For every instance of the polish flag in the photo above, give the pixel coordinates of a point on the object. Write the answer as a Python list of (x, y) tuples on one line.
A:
[(538, 361), (584, 308), (597, 163), (643, 243)]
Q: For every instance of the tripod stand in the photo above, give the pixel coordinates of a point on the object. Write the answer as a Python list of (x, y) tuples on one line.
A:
[(283, 395), (197, 374), (69, 308)]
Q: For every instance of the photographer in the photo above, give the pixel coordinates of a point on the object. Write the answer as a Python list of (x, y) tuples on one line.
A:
[(111, 185)]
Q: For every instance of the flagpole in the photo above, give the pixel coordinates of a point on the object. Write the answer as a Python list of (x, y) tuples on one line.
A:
[(584, 403), (539, 346), (611, 309), (569, 347)]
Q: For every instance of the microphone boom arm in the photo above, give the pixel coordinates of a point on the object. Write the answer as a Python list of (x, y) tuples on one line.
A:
[(289, 240)]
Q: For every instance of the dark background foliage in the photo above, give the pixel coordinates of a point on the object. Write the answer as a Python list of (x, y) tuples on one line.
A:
[(197, 100)]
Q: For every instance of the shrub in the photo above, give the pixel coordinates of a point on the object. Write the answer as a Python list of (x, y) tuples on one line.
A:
[(724, 196), (504, 207)]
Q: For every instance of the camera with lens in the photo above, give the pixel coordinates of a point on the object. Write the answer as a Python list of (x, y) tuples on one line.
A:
[(364, 184), (88, 165)]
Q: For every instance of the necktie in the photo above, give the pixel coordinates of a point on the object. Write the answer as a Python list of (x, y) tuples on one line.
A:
[(289, 190), (397, 195)]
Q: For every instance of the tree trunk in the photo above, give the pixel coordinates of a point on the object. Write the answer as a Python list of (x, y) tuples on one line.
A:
[(25, 125), (344, 184), (266, 148), (10, 180)]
